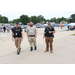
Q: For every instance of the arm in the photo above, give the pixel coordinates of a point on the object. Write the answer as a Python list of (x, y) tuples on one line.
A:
[(22, 36), (44, 35), (12, 34), (36, 34), (12, 37), (53, 31), (27, 34)]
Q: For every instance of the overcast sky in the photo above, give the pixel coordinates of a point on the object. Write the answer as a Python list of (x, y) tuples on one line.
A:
[(47, 14)]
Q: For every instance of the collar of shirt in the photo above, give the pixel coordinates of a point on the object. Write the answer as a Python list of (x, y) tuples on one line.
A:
[(17, 28)]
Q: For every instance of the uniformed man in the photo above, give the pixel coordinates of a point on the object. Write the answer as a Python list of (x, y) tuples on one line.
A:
[(18, 36), (48, 34), (32, 34)]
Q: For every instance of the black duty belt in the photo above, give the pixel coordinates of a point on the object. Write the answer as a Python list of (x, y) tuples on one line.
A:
[(31, 35)]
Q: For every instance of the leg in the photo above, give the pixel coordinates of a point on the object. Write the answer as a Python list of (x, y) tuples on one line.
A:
[(34, 41), (19, 44), (47, 44), (30, 41), (51, 46), (16, 42)]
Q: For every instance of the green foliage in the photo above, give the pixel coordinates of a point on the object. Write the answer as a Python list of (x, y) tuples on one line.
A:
[(72, 18), (16, 20), (3, 19), (24, 19)]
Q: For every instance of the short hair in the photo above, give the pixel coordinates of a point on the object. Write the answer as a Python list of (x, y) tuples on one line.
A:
[(17, 22), (30, 21), (49, 22)]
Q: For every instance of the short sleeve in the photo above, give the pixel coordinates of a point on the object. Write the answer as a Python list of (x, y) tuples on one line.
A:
[(35, 29), (27, 29), (53, 29), (21, 29), (12, 30), (45, 30)]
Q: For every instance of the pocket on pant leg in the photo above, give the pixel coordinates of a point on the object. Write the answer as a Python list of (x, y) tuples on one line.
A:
[(45, 39), (29, 40), (34, 41), (52, 39)]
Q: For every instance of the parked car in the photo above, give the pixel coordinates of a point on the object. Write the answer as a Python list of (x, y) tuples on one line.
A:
[(25, 26), (38, 25)]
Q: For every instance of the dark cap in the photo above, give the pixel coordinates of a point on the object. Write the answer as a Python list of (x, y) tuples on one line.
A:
[(17, 22)]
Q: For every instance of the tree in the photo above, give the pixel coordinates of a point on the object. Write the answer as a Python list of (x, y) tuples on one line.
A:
[(40, 18), (34, 19), (72, 18), (0, 18), (16, 20), (4, 19), (24, 19)]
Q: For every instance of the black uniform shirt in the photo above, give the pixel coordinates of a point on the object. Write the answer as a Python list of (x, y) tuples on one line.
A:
[(47, 34), (17, 32)]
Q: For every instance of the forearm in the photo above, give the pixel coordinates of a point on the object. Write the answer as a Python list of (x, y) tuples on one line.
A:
[(53, 31), (44, 34), (22, 34), (27, 33), (36, 33), (12, 35)]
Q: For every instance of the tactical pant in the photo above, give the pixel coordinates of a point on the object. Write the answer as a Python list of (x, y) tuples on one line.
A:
[(18, 43), (32, 40), (49, 40)]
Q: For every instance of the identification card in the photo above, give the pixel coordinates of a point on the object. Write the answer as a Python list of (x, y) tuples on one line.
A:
[(16, 33)]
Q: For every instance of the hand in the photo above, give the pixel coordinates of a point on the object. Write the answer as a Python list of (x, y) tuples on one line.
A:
[(21, 39), (43, 37), (49, 31), (12, 39), (27, 36), (35, 36)]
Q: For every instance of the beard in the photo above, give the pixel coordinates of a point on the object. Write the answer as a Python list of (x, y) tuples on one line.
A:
[(31, 25)]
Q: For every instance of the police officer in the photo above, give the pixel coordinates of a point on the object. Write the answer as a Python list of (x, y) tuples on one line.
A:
[(18, 36), (48, 34), (32, 34)]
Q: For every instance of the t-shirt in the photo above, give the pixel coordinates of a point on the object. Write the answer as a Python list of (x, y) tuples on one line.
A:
[(17, 32), (31, 31), (47, 34), (4, 27)]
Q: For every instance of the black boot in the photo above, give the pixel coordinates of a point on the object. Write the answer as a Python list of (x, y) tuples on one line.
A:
[(20, 50), (18, 53), (31, 49), (35, 48)]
